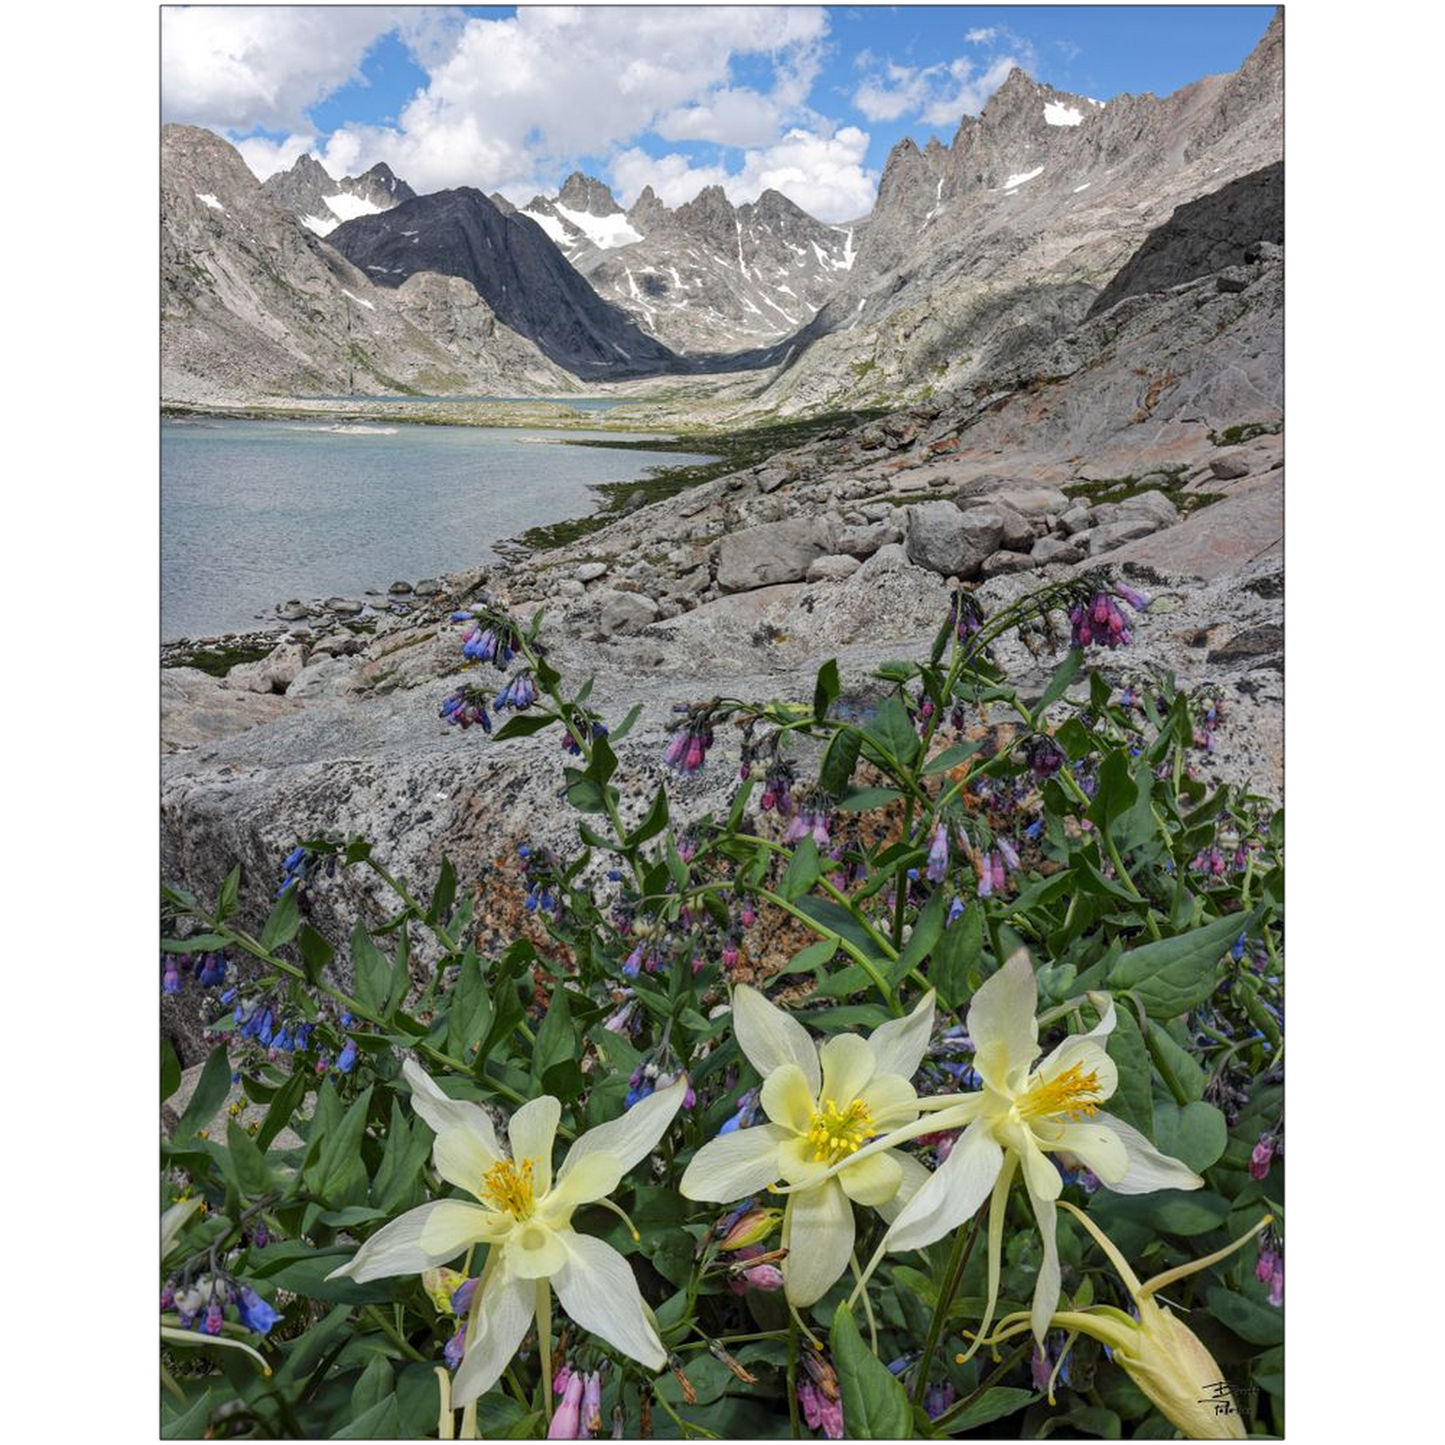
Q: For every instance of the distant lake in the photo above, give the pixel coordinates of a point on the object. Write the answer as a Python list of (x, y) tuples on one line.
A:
[(255, 512)]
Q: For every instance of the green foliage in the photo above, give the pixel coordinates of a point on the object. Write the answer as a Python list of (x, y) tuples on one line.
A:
[(842, 908)]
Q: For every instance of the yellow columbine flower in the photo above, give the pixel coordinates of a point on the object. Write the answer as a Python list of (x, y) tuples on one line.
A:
[(525, 1214), (1161, 1354), (1025, 1111), (824, 1105)]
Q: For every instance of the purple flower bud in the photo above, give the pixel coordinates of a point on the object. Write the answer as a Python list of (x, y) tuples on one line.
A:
[(566, 1422), (456, 1348), (1261, 1156), (938, 856), (1009, 852), (591, 1404), (215, 1317), (562, 1379)]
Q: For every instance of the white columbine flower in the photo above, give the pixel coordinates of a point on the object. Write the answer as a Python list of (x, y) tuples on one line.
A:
[(1024, 1112), (524, 1213), (824, 1105)]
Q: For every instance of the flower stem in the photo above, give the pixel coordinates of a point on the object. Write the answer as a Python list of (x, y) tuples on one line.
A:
[(544, 1344), (953, 1276)]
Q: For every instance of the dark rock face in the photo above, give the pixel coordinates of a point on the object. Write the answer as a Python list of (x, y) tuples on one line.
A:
[(521, 275), (1204, 236)]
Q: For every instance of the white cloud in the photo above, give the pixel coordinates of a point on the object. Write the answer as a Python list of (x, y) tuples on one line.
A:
[(240, 67), (825, 175), (941, 94), (266, 157)]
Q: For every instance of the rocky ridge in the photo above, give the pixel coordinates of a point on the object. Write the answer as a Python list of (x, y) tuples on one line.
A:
[(252, 301), (981, 254), (322, 204)]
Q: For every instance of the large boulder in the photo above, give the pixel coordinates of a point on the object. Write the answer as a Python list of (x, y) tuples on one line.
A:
[(1154, 506), (830, 569), (950, 542), (1033, 499), (623, 612), (774, 552), (865, 541)]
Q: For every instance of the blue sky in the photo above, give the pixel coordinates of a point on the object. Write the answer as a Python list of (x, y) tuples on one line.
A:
[(807, 99)]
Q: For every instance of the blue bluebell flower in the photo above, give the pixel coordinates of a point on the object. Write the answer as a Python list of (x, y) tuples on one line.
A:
[(256, 1314)]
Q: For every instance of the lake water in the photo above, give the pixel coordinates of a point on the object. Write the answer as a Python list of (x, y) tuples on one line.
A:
[(255, 512)]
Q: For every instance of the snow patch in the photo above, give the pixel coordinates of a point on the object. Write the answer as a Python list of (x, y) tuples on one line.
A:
[(551, 225), (211, 201), (347, 207), (1056, 113), (360, 301), (1084, 187), (605, 232), (1015, 181), (321, 227)]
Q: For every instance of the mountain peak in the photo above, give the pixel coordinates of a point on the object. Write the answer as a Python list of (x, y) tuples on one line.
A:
[(581, 192)]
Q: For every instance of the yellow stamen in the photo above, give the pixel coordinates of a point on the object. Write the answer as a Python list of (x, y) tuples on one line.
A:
[(508, 1186), (837, 1133), (1073, 1092)]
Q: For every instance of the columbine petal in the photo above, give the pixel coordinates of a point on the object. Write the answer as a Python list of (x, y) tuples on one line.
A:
[(1095, 1144), (533, 1132), (443, 1114), (1072, 1050), (1046, 1289), (735, 1165), (1148, 1168), (594, 1176), (891, 1100), (818, 1234), (421, 1239), (535, 1250), (798, 1161), (770, 1038), (598, 1291), (504, 1307), (848, 1065), (634, 1135), (899, 1045), (1001, 1019), (912, 1177), (958, 1186), (787, 1099), (872, 1181), (462, 1158), (1039, 1174)]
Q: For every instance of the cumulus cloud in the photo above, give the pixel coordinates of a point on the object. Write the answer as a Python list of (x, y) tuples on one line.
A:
[(825, 174), (509, 103), (247, 67), (941, 94)]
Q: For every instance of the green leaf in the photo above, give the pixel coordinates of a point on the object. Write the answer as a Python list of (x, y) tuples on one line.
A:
[(170, 1070), (373, 971), (803, 872), (950, 758), (1064, 674), (381, 1422), (250, 1163), (626, 725), (864, 800), (316, 953), (444, 894), (1177, 974), (1250, 1320), (926, 930), (1117, 792), (1197, 1133), (192, 1424), (891, 734), (339, 1169), (556, 1038), (284, 1104), (230, 894), (839, 761), (1174, 1211), (992, 1405), (211, 1090), (402, 1162), (826, 689), (959, 949), (523, 725), (285, 919), (1134, 1097), (814, 956), (377, 1383), (654, 822), (584, 793), (874, 1404), (1187, 1071)]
